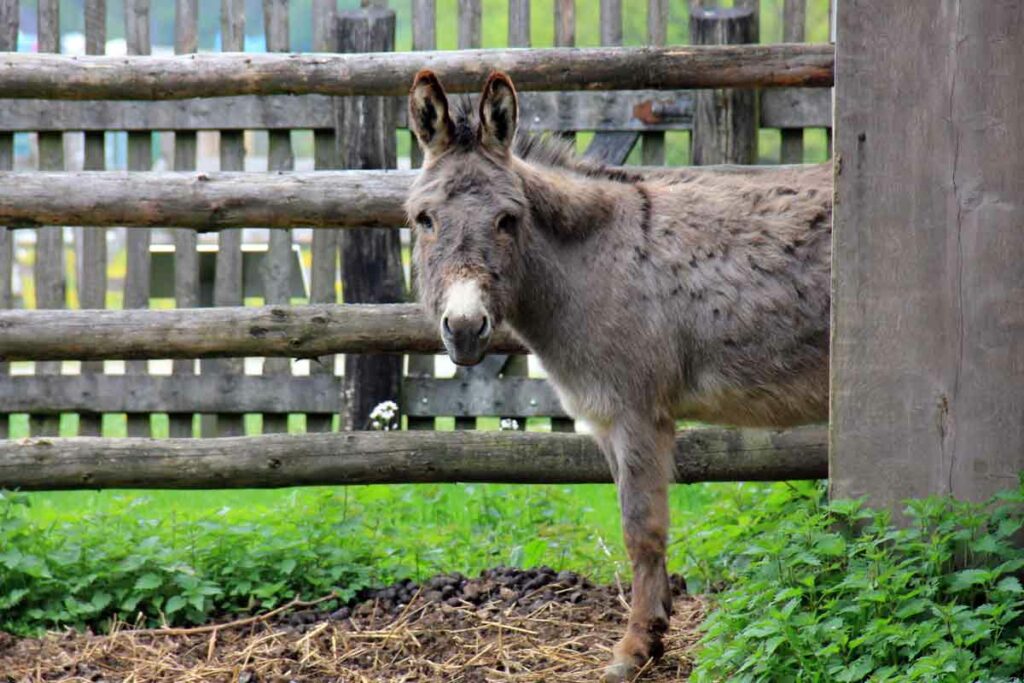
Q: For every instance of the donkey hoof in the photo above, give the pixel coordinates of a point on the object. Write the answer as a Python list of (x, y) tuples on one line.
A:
[(619, 672)]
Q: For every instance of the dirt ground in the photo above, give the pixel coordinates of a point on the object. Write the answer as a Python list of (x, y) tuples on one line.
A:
[(505, 625)]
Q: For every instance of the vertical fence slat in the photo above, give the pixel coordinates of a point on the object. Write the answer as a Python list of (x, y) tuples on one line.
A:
[(8, 42), (140, 158), (49, 264), (92, 257), (424, 37), (278, 262), (725, 121), (371, 258), (227, 283), (565, 36), (324, 271), (186, 256), (794, 16), (470, 33), (652, 145), (519, 23), (565, 23)]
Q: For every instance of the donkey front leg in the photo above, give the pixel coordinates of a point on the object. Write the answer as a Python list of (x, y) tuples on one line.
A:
[(643, 467)]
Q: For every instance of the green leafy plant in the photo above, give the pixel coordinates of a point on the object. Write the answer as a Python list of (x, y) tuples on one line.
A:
[(833, 592)]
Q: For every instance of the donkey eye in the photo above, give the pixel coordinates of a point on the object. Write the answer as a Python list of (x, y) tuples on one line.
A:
[(507, 223), (425, 223)]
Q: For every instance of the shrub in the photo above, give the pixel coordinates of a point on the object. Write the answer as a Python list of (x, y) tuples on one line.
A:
[(833, 592)]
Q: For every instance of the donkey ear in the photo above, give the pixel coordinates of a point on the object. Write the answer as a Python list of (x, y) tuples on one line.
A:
[(499, 111), (428, 113)]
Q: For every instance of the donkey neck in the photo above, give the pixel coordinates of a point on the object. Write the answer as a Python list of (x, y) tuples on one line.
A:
[(569, 213)]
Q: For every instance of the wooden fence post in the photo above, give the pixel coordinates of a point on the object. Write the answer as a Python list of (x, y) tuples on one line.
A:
[(323, 272), (794, 16), (277, 266), (725, 121), (928, 252), (49, 265), (186, 256), (92, 252), (371, 258), (227, 285), (8, 42)]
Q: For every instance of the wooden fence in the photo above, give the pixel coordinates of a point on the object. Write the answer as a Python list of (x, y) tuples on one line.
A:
[(352, 104)]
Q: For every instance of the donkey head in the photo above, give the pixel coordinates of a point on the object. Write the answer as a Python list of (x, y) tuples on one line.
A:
[(468, 211)]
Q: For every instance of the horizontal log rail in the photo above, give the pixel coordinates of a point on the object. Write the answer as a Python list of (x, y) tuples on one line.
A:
[(39, 75), (94, 393), (289, 331), (391, 457), (639, 110), (205, 201), (214, 201)]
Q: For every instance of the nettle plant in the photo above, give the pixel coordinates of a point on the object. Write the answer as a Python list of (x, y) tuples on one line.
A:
[(834, 592)]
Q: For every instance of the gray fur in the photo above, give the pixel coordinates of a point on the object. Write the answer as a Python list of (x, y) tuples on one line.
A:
[(649, 297)]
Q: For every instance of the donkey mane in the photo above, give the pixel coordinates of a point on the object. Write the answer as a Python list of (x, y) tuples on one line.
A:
[(542, 149)]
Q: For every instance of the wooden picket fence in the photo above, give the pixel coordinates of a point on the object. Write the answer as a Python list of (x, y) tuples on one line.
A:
[(211, 396)]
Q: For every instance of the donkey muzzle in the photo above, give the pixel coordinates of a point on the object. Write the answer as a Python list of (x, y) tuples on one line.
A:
[(466, 336)]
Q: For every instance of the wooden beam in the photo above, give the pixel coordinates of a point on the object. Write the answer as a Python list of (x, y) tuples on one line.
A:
[(796, 108), (928, 282), (639, 110), (296, 332), (390, 457), (205, 201), (235, 394), (35, 75), (214, 201), (471, 397)]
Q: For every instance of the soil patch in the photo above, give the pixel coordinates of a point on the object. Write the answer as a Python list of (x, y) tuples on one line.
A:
[(505, 625)]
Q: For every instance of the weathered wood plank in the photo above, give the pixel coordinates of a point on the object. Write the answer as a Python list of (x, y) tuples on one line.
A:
[(928, 281), (186, 258), (212, 201), (93, 394), (470, 27), (140, 158), (371, 258), (227, 283), (213, 393), (9, 22), (8, 42), (725, 121), (794, 18), (326, 155), (92, 254), (277, 266), (48, 270), (796, 108), (293, 332), (390, 73), (565, 23), (519, 23), (652, 145), (391, 457), (472, 396), (639, 110)]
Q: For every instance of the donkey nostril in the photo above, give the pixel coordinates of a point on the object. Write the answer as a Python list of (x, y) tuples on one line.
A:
[(444, 325), (485, 327)]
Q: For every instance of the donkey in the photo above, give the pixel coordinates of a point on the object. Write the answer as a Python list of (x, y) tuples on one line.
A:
[(648, 295)]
